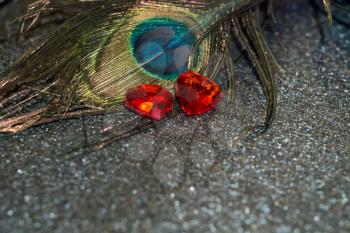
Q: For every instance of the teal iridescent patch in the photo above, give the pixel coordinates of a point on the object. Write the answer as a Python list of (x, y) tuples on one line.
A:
[(162, 47)]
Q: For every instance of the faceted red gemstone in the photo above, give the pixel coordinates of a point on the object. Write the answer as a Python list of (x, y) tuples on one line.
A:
[(196, 93), (151, 101)]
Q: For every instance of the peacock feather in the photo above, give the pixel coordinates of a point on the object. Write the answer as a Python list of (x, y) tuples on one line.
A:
[(107, 47)]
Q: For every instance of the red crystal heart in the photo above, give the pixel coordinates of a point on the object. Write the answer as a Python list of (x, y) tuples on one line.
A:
[(196, 93), (151, 101)]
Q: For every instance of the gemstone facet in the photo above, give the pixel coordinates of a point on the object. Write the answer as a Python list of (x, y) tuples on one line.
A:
[(196, 93), (151, 101)]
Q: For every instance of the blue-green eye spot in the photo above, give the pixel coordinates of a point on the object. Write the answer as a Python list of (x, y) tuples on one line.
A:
[(162, 47)]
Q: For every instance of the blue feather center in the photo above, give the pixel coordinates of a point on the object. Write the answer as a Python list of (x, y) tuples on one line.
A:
[(162, 46)]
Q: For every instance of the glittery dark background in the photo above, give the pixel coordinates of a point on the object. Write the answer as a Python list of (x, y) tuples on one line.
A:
[(196, 174)]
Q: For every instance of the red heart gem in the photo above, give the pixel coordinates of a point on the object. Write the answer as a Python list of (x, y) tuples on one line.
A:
[(196, 93), (151, 101)]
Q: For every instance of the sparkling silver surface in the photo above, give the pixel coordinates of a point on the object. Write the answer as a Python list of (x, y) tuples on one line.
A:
[(200, 174)]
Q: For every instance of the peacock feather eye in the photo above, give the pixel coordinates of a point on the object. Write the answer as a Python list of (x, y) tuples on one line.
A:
[(146, 45), (161, 46)]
